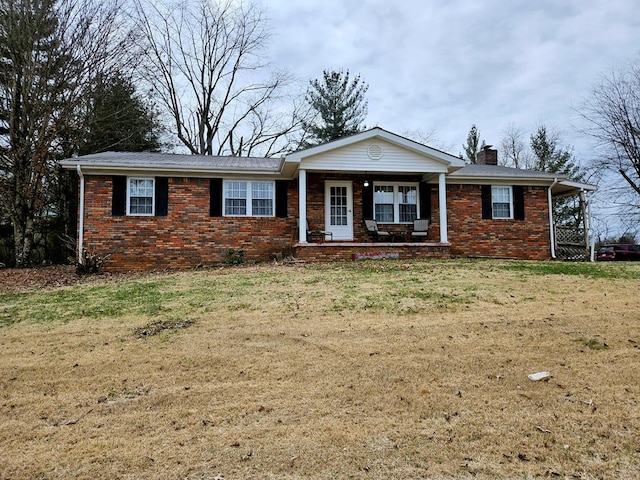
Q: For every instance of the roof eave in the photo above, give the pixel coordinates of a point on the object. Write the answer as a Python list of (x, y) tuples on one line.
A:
[(94, 168)]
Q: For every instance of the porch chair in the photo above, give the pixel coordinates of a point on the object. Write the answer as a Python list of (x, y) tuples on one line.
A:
[(378, 235), (320, 235), (420, 229)]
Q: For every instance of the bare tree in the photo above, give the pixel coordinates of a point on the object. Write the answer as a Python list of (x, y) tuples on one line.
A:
[(612, 117), (514, 150), (50, 51), (204, 62)]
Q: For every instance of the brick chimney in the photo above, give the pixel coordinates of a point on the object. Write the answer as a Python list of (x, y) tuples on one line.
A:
[(487, 156)]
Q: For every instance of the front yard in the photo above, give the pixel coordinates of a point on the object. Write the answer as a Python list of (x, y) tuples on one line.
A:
[(375, 369)]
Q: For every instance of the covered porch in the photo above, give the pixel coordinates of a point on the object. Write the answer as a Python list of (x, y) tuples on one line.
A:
[(374, 175)]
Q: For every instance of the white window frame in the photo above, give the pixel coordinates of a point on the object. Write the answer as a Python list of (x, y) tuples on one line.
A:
[(396, 199), (494, 202), (153, 196), (249, 198)]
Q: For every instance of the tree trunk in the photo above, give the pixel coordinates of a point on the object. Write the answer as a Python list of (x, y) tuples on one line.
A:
[(23, 241)]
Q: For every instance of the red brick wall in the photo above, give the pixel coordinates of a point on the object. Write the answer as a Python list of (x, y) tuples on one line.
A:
[(330, 253), (187, 236), (471, 236)]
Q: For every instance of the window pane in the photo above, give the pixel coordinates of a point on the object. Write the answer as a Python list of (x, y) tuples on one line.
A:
[(235, 206), (235, 198), (408, 194), (262, 199), (501, 202), (338, 207), (383, 203), (384, 213), (140, 206), (501, 210), (383, 194), (140, 196), (408, 213), (408, 200), (500, 194), (262, 207), (235, 190)]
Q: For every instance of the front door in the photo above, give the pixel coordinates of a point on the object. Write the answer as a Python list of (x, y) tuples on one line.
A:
[(339, 209)]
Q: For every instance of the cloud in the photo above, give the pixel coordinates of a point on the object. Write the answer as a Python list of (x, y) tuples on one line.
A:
[(452, 64)]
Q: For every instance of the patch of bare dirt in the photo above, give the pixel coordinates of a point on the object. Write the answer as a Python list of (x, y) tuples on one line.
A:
[(19, 280), (15, 280)]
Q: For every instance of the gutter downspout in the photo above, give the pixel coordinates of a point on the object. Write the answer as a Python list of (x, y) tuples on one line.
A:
[(81, 215), (552, 228)]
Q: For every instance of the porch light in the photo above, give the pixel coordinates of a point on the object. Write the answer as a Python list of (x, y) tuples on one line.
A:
[(366, 183)]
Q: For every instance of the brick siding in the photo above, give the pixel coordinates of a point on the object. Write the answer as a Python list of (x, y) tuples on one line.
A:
[(472, 236), (188, 236)]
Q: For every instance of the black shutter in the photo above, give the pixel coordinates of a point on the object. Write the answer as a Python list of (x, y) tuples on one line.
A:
[(425, 201), (215, 197), (119, 196), (486, 201), (518, 202), (282, 194), (367, 202), (162, 196)]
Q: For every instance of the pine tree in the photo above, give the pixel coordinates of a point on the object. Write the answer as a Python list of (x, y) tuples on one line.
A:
[(119, 120), (340, 105), (550, 157), (473, 144)]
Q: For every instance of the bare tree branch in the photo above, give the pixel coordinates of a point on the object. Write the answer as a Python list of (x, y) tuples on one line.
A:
[(612, 117), (204, 61)]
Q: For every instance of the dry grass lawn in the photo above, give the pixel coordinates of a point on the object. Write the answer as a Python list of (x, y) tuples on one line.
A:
[(369, 370)]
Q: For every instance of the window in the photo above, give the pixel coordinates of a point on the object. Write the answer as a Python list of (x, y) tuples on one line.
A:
[(501, 203), (248, 198), (140, 196), (395, 203)]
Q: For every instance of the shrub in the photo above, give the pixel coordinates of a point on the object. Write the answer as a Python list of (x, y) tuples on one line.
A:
[(91, 263)]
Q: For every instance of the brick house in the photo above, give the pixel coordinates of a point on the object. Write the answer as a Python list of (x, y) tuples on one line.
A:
[(152, 210)]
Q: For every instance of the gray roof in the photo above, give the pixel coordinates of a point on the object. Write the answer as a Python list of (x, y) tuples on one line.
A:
[(488, 173), (169, 161), (498, 171)]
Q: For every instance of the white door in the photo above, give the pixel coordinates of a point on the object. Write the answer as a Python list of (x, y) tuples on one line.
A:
[(338, 200)]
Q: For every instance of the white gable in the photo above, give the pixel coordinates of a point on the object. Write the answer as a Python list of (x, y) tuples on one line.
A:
[(375, 150), (373, 155)]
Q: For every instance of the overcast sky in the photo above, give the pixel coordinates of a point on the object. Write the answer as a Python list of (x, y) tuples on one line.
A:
[(445, 65)]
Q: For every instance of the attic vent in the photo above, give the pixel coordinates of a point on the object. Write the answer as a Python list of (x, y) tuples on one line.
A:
[(375, 151)]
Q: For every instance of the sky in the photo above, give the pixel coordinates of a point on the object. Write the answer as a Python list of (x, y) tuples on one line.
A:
[(441, 66)]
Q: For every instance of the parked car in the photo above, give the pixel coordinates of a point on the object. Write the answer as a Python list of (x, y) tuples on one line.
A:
[(624, 251)]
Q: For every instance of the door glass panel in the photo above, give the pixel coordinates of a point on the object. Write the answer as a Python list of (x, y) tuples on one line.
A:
[(338, 205)]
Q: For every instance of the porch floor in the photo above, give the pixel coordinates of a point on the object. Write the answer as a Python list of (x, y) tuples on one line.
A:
[(332, 251)]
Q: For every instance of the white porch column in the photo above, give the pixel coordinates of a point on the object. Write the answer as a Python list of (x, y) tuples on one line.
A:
[(302, 206), (442, 200)]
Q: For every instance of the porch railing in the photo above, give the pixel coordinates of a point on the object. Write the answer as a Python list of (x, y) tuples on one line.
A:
[(571, 243), (570, 236)]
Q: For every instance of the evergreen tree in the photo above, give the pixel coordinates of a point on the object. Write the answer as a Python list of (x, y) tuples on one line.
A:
[(119, 120), (550, 157), (340, 105), (473, 144)]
